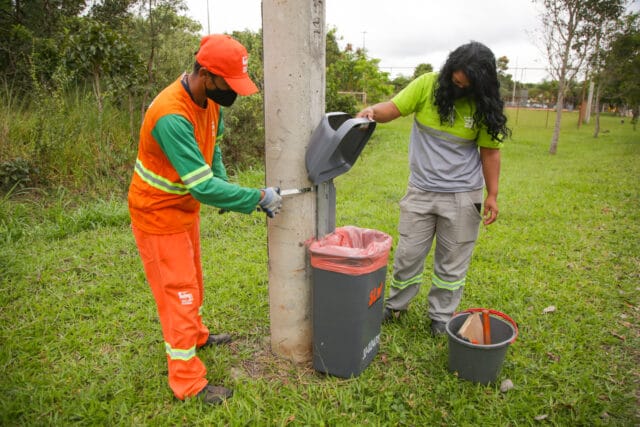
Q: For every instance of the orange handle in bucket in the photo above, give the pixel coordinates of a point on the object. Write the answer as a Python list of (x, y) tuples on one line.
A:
[(486, 326), (499, 314)]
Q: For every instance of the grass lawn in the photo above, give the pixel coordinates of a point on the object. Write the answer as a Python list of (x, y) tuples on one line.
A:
[(80, 342)]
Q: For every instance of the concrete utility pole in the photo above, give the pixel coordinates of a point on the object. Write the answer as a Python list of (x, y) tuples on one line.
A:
[(294, 97)]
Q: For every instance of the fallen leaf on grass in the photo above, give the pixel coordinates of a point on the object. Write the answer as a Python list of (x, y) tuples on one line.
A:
[(506, 385), (620, 337), (549, 309), (553, 357), (541, 417)]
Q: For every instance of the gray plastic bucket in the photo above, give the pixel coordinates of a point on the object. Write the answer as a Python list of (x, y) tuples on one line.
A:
[(476, 362)]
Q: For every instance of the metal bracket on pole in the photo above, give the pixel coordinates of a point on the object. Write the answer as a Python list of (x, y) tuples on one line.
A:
[(326, 209)]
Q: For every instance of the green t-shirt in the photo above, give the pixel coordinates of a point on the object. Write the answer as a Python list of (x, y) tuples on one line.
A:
[(418, 98), (443, 157)]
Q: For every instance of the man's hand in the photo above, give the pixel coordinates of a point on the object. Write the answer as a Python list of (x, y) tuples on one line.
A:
[(490, 213), (271, 202)]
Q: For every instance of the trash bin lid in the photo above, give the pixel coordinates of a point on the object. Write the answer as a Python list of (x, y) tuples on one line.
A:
[(335, 145)]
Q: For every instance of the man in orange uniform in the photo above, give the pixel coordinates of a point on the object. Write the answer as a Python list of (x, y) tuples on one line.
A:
[(179, 166)]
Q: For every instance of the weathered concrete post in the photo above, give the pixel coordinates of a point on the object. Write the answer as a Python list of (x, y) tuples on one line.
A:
[(294, 77)]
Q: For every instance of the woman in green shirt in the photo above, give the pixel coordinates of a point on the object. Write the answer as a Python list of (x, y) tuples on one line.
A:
[(454, 152)]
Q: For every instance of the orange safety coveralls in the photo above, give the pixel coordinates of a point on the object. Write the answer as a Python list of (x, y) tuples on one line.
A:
[(165, 223)]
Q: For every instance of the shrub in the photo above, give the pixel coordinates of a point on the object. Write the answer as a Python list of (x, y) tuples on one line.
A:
[(16, 174)]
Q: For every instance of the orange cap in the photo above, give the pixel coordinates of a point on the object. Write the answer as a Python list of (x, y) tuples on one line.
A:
[(224, 56)]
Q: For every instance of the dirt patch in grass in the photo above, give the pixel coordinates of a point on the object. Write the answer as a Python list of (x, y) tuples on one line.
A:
[(258, 362)]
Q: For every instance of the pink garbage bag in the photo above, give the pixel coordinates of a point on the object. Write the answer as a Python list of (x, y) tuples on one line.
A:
[(351, 250)]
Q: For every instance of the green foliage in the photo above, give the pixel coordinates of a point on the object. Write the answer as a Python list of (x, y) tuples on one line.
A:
[(243, 140), (96, 52), (422, 69), (116, 14), (31, 33), (622, 64), (66, 141), (400, 83), (355, 73), (16, 174), (127, 51), (81, 343), (343, 102), (167, 41)]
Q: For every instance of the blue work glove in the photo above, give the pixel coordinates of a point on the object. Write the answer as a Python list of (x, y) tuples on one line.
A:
[(271, 202)]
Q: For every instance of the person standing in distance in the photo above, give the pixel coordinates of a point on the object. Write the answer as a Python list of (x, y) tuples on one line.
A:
[(459, 127), (178, 167)]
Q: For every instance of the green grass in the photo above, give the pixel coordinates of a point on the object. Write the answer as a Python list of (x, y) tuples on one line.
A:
[(80, 342)]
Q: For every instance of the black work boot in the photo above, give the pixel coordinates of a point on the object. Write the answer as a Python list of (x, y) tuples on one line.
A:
[(218, 339), (214, 395), (438, 328), (390, 315)]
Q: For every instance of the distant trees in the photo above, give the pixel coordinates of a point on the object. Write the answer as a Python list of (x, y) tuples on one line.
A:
[(422, 69), (569, 29), (115, 55), (617, 66), (122, 49), (122, 52), (352, 72)]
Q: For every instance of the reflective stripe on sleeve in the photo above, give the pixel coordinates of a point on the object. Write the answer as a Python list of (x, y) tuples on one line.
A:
[(197, 176)]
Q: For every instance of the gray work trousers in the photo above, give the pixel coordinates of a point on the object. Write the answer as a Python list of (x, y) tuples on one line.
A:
[(453, 219)]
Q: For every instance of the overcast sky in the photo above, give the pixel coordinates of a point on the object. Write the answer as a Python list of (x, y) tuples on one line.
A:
[(405, 33)]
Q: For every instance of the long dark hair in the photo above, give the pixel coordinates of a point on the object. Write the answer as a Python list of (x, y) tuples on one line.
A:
[(479, 64)]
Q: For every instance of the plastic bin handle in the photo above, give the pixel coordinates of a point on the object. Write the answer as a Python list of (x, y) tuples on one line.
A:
[(499, 314)]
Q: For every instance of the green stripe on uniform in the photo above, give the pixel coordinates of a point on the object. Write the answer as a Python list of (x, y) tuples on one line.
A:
[(443, 284), (400, 284), (180, 354)]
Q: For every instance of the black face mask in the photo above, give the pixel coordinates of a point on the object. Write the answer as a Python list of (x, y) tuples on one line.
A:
[(226, 98), (459, 92)]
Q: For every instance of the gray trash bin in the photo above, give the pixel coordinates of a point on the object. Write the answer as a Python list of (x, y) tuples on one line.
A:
[(349, 274)]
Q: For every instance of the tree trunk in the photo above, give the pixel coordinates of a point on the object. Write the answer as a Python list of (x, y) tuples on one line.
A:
[(553, 148), (149, 84), (589, 103), (97, 90), (132, 130), (596, 130), (581, 110)]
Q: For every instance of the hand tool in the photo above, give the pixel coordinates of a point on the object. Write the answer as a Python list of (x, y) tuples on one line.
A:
[(292, 191)]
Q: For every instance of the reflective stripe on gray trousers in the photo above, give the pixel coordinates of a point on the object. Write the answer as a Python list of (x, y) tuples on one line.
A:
[(453, 220)]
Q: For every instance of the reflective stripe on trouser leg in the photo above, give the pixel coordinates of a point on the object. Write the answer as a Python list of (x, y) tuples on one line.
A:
[(170, 265), (457, 231), (416, 229)]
